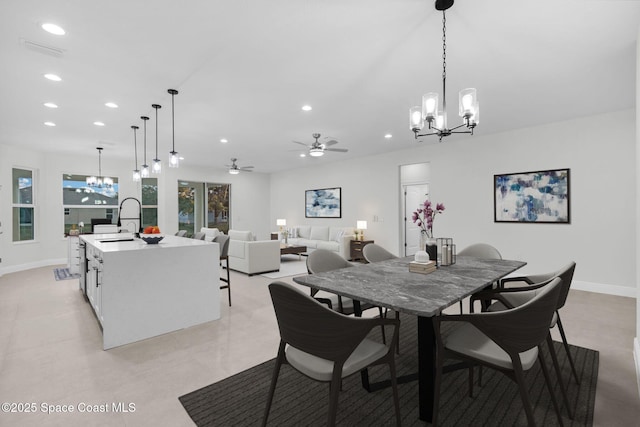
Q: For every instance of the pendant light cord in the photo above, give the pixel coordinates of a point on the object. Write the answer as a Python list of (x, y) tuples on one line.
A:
[(444, 64), (144, 120), (173, 126), (135, 145)]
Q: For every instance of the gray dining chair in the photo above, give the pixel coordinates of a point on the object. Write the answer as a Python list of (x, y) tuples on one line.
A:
[(181, 233), (223, 241), (375, 253), (514, 296), (482, 251), (508, 341), (198, 235), (326, 346), (321, 261)]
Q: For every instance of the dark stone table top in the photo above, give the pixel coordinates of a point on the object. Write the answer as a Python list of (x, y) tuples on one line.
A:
[(390, 284)]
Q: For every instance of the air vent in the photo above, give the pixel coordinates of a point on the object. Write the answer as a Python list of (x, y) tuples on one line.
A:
[(41, 48)]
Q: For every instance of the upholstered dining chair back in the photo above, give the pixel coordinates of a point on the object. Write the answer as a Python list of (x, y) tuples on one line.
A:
[(198, 235), (326, 346), (181, 233), (376, 253), (480, 250), (518, 334), (322, 260)]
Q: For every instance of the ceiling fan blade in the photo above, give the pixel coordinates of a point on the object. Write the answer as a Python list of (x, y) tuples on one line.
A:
[(246, 170), (247, 167), (340, 150), (329, 142), (301, 143)]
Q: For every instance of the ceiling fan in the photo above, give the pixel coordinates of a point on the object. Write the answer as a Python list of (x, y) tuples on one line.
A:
[(317, 149), (234, 169)]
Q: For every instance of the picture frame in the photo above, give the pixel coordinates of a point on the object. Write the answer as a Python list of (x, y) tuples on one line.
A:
[(533, 197), (323, 203)]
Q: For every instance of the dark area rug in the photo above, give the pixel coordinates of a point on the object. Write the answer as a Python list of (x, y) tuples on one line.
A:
[(240, 400), (64, 274)]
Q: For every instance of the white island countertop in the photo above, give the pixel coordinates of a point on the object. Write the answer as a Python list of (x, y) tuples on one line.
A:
[(139, 290), (127, 242)]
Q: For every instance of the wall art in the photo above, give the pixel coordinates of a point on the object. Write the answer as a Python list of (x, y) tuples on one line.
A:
[(538, 197)]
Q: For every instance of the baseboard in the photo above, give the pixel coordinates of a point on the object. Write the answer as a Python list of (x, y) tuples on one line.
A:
[(30, 265), (621, 291), (636, 356)]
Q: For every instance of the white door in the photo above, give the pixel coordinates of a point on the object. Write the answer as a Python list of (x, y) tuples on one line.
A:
[(414, 196)]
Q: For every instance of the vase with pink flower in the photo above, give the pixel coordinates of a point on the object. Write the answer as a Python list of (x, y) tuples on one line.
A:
[(423, 217)]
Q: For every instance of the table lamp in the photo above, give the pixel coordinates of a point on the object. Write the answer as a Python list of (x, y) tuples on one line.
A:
[(361, 225)]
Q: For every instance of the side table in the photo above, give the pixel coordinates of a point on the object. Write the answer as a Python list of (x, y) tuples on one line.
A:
[(356, 247)]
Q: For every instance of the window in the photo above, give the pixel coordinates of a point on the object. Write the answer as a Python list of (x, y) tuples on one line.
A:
[(83, 203), (218, 206), (23, 205), (202, 204), (149, 201)]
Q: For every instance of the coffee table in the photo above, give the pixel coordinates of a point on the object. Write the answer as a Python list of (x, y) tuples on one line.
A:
[(292, 249)]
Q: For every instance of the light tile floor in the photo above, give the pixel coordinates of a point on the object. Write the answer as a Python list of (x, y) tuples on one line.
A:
[(51, 354)]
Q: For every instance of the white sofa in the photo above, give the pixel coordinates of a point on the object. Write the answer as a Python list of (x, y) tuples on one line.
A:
[(334, 239), (250, 256)]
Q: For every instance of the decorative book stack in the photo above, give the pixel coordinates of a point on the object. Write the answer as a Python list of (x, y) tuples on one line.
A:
[(422, 267)]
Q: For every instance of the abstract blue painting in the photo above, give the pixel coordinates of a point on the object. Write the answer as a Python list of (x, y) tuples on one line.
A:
[(539, 196), (323, 203)]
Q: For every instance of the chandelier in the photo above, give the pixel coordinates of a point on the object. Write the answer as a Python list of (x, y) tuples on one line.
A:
[(99, 181), (429, 112)]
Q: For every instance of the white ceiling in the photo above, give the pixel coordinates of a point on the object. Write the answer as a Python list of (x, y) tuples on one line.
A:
[(245, 68)]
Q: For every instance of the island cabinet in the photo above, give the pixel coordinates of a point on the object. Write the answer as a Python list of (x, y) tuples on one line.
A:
[(139, 291)]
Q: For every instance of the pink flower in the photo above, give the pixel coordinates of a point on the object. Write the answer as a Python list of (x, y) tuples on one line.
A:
[(423, 216)]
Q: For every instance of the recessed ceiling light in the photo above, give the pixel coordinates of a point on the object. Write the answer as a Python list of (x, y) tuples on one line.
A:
[(53, 77), (53, 29), (111, 105), (388, 136), (224, 141), (98, 123), (49, 124), (303, 155), (50, 105), (306, 108)]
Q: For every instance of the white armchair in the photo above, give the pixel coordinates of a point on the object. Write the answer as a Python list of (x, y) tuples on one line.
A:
[(252, 257)]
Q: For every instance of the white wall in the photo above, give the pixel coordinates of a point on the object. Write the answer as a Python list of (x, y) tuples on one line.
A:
[(249, 200), (599, 150)]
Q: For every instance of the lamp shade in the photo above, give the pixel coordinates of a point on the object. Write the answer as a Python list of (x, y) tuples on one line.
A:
[(281, 222), (361, 225)]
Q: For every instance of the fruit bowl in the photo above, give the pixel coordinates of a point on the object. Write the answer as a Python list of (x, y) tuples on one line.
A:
[(151, 239)]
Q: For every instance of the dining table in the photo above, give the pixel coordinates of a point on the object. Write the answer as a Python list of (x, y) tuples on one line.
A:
[(391, 285)]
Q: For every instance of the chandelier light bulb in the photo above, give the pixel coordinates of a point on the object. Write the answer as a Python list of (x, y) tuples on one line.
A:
[(174, 159), (415, 119)]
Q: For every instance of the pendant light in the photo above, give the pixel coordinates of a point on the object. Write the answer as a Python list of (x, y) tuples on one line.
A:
[(99, 181), (136, 171), (144, 172), (157, 164), (174, 160), (469, 109)]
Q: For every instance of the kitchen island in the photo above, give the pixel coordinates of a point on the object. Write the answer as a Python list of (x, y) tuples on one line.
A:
[(139, 291)]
